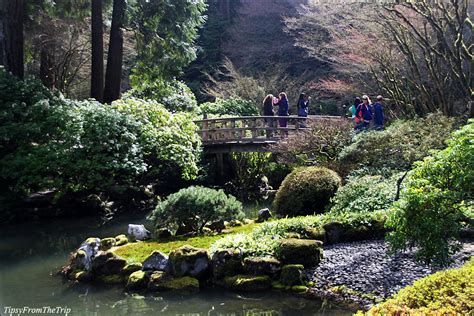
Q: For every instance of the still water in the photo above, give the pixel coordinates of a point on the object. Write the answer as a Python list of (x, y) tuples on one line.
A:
[(31, 253)]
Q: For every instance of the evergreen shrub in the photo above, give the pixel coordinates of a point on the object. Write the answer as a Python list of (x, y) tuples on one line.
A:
[(306, 190)]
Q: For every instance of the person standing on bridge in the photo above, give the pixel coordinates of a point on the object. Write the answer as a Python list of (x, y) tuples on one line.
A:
[(364, 113), (283, 110), (302, 106), (378, 113), (268, 111)]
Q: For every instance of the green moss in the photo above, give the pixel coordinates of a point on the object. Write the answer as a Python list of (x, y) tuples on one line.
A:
[(139, 251), (110, 279), (448, 292), (121, 240), (299, 251), (299, 288), (131, 267), (278, 285), (137, 280), (248, 283), (292, 274), (186, 284)]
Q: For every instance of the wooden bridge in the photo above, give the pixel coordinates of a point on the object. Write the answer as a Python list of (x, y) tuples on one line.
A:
[(250, 133)]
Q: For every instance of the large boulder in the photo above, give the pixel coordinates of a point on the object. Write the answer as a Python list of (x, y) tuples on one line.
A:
[(262, 266), (307, 252), (227, 262), (138, 232), (264, 215), (88, 250), (157, 261), (292, 274), (190, 261), (248, 283), (107, 263)]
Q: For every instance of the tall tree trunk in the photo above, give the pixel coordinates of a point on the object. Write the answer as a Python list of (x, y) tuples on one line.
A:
[(97, 69), (13, 29), (114, 57), (47, 75)]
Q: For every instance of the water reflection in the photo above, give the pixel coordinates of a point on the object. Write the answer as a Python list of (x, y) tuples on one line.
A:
[(31, 253)]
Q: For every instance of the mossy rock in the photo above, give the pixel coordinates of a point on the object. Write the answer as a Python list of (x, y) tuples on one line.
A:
[(121, 240), (156, 278), (316, 234), (227, 262), (293, 274), (137, 280), (278, 285), (262, 265), (183, 284), (112, 279), (190, 261), (307, 252), (107, 243), (131, 267), (333, 232), (357, 234), (248, 283), (299, 288), (82, 276)]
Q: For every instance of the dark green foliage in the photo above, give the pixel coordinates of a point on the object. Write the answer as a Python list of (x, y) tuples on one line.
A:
[(306, 191), (365, 194), (232, 107), (398, 146), (165, 31), (195, 207), (437, 199), (173, 94), (276, 173)]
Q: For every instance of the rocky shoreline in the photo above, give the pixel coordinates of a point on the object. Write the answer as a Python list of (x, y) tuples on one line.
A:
[(363, 273)]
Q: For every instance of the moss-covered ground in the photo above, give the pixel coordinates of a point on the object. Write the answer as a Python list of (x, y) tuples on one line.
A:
[(139, 251), (449, 292)]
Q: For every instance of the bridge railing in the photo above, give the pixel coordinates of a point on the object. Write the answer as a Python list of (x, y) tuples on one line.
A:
[(249, 129)]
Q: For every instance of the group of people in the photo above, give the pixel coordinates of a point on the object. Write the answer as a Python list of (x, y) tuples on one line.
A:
[(363, 112), (366, 114), (281, 102)]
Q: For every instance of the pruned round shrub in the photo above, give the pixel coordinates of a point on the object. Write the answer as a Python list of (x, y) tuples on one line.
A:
[(194, 207), (306, 191)]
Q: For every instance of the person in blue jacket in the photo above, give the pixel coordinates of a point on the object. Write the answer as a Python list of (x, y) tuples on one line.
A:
[(282, 109), (378, 113), (302, 106), (364, 113)]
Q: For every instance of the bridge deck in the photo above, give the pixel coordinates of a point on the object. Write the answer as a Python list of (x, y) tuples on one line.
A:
[(250, 133)]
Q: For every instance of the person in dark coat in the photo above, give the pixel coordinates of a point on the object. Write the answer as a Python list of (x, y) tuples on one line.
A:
[(302, 106), (378, 113), (283, 110), (364, 113), (268, 111)]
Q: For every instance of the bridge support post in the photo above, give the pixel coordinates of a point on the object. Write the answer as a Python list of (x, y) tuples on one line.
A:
[(220, 166)]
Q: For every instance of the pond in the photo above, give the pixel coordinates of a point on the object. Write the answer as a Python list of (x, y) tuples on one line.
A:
[(30, 254)]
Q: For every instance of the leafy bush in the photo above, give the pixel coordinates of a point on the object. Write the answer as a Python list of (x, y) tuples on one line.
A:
[(398, 146), (171, 145), (85, 147), (437, 198), (306, 191), (233, 107), (195, 207), (446, 292), (322, 144), (174, 95), (263, 240), (276, 172), (365, 194)]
